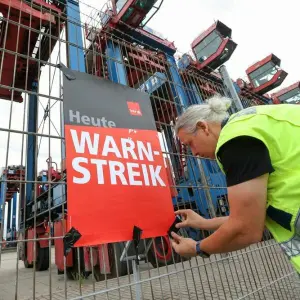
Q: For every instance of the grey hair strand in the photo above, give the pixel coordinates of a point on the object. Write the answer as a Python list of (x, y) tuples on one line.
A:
[(213, 110)]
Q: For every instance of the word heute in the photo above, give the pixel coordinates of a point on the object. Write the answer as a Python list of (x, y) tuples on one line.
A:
[(137, 174)]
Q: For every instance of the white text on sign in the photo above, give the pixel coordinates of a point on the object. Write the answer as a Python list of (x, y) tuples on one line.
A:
[(120, 172)]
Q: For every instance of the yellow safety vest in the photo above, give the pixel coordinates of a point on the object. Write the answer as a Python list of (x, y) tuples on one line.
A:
[(278, 127)]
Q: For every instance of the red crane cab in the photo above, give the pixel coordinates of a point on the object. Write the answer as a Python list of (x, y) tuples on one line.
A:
[(266, 75), (213, 47), (290, 94), (134, 13), (131, 17)]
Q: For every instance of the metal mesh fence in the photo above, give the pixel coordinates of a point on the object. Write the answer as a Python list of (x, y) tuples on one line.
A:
[(37, 37)]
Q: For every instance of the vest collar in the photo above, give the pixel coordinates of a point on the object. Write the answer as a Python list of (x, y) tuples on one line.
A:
[(224, 122)]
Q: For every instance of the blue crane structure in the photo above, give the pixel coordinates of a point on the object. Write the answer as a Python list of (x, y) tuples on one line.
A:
[(124, 50)]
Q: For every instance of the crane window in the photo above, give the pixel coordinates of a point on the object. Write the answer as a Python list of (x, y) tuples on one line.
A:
[(208, 46), (120, 4), (292, 96), (263, 74), (145, 4)]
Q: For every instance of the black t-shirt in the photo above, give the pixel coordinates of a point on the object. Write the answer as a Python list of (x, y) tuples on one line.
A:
[(244, 158)]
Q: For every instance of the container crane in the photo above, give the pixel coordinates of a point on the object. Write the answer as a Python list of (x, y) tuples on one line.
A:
[(211, 49), (290, 94), (126, 20), (126, 52), (264, 76), (29, 33), (40, 16), (135, 13), (145, 61), (127, 57), (9, 188), (129, 17), (13, 173), (11, 229)]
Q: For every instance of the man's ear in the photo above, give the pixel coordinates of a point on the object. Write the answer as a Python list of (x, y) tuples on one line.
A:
[(203, 126)]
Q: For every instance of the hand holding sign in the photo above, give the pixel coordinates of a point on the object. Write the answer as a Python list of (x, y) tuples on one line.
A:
[(191, 219)]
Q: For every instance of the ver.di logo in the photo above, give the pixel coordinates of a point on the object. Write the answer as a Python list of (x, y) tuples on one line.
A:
[(134, 108)]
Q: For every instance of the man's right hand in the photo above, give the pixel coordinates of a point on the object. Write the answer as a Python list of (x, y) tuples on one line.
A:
[(191, 219)]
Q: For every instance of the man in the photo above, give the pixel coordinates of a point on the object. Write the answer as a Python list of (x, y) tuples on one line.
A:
[(258, 149)]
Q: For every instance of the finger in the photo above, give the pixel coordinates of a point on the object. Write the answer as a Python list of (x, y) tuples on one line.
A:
[(181, 224), (180, 212), (176, 237), (175, 246)]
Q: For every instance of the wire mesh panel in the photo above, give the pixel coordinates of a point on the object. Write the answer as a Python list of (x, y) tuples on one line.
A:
[(37, 39), (250, 100)]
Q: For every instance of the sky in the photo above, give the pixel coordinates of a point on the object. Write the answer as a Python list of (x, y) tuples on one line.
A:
[(258, 27)]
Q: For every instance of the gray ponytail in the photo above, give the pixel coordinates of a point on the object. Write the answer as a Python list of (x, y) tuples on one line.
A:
[(213, 110)]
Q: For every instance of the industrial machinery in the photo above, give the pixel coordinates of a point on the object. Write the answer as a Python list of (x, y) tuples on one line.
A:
[(37, 26), (11, 174), (38, 18), (11, 229), (43, 213), (9, 189), (211, 49), (290, 95), (120, 17), (121, 49), (264, 76), (133, 13)]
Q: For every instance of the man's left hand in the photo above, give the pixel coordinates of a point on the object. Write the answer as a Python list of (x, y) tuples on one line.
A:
[(183, 246)]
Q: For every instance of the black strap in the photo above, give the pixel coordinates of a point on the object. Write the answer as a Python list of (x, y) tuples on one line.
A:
[(137, 232), (70, 239), (173, 226), (66, 71)]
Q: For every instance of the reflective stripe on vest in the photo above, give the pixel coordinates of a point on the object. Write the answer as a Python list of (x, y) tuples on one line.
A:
[(292, 246), (278, 127)]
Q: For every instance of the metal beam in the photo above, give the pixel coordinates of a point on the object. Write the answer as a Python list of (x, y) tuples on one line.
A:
[(230, 89), (2, 198), (14, 211), (115, 65), (8, 223), (31, 142), (177, 86), (75, 49)]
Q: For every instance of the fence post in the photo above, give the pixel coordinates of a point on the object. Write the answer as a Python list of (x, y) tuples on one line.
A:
[(206, 188), (230, 89)]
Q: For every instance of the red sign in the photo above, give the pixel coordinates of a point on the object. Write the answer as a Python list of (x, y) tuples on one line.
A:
[(116, 180), (134, 108)]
